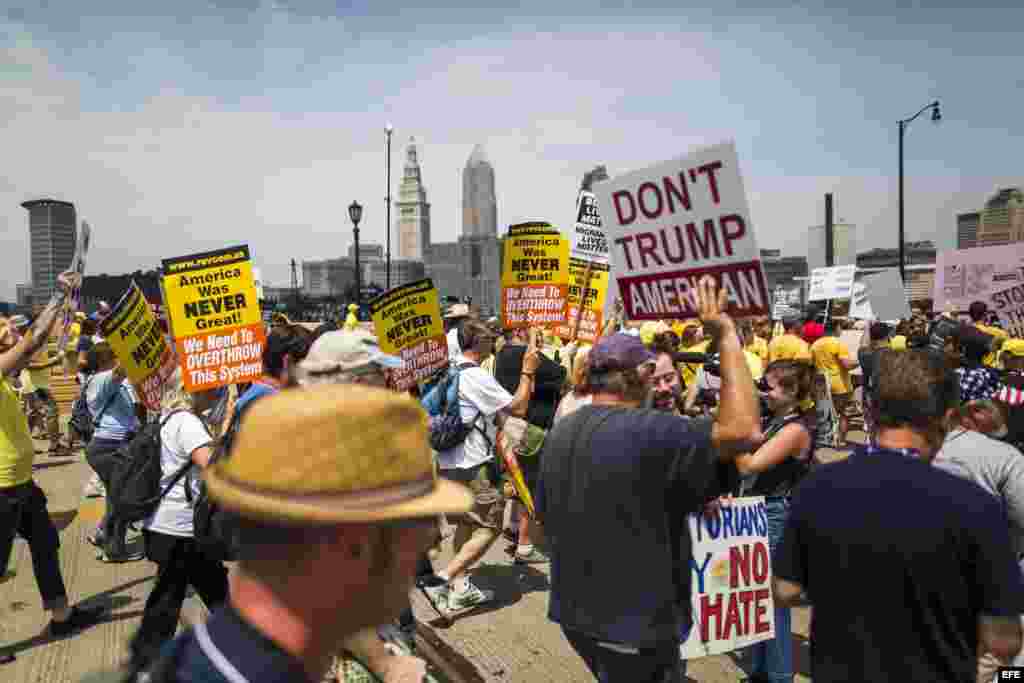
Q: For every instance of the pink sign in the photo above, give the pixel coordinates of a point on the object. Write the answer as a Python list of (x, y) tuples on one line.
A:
[(964, 276)]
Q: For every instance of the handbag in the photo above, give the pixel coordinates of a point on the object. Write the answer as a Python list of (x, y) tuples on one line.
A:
[(522, 438)]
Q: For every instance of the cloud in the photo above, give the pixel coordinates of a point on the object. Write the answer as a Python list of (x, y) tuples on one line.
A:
[(261, 125)]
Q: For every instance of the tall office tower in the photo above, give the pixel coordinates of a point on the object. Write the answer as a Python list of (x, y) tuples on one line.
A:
[(479, 206), (52, 228), (1002, 219)]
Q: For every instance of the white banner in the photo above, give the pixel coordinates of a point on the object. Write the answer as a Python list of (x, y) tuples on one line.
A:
[(731, 583), (967, 275), (588, 241), (831, 283), (672, 223), (880, 297)]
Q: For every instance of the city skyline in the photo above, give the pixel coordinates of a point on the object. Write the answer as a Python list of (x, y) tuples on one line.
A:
[(252, 125)]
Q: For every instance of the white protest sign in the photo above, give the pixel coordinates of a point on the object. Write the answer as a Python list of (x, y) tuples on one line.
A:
[(731, 584), (964, 276), (831, 283), (1009, 306), (860, 304), (880, 297), (588, 241), (672, 223)]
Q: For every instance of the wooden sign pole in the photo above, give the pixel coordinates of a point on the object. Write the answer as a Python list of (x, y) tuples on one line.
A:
[(583, 298)]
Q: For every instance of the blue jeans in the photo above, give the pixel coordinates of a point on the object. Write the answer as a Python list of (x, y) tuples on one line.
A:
[(773, 659)]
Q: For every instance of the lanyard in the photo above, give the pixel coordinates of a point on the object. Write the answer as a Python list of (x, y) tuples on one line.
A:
[(875, 449)]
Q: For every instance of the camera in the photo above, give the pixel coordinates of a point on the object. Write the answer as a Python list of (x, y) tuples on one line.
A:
[(711, 362), (973, 342)]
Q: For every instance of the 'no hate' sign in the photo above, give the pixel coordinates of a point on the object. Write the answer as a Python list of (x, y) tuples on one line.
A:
[(673, 223)]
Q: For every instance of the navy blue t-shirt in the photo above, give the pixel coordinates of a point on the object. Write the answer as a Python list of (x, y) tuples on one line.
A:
[(615, 487), (229, 650), (899, 560)]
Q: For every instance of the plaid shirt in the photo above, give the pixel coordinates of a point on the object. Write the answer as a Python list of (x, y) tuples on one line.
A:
[(977, 383)]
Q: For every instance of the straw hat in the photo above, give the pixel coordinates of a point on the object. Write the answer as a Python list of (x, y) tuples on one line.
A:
[(351, 453)]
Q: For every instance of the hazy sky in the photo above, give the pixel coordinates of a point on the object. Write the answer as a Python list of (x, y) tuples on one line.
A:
[(205, 124)]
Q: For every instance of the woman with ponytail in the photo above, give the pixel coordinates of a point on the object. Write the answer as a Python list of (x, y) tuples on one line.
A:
[(773, 471)]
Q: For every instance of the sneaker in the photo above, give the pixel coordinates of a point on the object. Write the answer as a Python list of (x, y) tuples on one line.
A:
[(436, 591), (122, 557), (472, 596), (81, 617), (533, 557)]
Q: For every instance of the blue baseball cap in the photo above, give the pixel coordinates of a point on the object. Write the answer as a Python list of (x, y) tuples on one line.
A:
[(619, 351)]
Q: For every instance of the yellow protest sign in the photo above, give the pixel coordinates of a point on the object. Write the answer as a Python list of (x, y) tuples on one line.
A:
[(407, 322), (534, 276), (136, 339), (589, 296), (215, 316)]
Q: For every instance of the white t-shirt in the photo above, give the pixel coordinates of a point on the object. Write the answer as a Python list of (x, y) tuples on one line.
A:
[(181, 435), (454, 350), (479, 393)]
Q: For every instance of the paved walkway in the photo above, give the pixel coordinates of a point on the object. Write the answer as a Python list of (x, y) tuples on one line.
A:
[(511, 641), (122, 588)]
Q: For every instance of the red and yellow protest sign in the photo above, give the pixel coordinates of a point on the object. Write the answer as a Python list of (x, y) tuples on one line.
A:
[(534, 276), (136, 339), (586, 296), (407, 322), (215, 317)]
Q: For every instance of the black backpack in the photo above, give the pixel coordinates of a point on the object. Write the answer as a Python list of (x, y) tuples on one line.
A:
[(82, 423), (447, 430), (213, 527), (134, 488)]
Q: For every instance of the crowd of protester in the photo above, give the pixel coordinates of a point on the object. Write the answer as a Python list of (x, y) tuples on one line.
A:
[(588, 457)]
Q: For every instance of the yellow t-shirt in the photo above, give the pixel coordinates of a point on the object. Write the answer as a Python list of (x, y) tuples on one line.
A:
[(754, 363), (41, 378), (788, 347), (16, 449), (827, 353), (992, 359), (689, 370)]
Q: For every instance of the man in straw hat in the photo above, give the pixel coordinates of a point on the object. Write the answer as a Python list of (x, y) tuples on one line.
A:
[(330, 534), (354, 357)]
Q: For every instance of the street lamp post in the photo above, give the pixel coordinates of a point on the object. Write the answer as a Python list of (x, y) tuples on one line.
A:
[(936, 117), (387, 200), (355, 212)]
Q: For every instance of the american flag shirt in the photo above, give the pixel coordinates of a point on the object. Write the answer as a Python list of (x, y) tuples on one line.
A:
[(977, 383)]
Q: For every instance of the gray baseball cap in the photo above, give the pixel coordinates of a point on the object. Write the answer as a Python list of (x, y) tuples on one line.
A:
[(347, 351)]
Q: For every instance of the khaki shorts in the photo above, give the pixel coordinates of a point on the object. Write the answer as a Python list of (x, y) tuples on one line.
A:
[(841, 402), (488, 503)]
